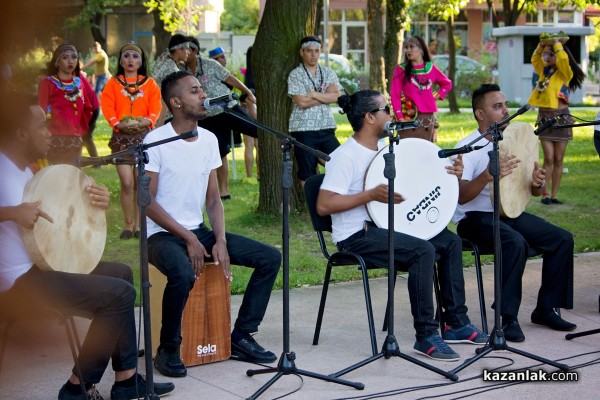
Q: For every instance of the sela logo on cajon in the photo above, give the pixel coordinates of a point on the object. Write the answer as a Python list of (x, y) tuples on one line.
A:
[(208, 350)]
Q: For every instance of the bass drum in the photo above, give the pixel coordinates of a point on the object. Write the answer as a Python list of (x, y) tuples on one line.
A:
[(430, 192)]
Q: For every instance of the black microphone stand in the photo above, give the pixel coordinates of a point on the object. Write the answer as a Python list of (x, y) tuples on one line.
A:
[(497, 341), (286, 364), (140, 159), (390, 346)]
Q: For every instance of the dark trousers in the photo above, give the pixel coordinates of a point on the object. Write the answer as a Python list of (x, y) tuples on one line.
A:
[(411, 254), (323, 140), (222, 125), (517, 235), (106, 295), (450, 274), (169, 254)]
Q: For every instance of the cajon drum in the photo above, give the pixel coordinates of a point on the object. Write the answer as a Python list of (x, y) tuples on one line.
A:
[(206, 325)]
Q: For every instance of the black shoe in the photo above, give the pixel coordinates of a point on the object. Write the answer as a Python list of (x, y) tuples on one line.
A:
[(169, 363), (92, 394), (546, 200), (556, 201), (139, 391), (512, 330), (552, 320), (247, 349)]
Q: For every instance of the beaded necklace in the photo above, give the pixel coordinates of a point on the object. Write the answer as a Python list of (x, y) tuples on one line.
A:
[(321, 84), (544, 80), (420, 81), (71, 90), (132, 90)]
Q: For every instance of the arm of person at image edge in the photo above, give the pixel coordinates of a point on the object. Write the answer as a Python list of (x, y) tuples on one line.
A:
[(425, 101), (470, 187), (214, 209), (564, 74), (115, 106), (312, 98)]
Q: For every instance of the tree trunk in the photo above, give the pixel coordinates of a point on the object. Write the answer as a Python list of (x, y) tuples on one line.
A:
[(375, 30), (161, 37), (274, 54), (95, 28), (395, 23), (453, 104)]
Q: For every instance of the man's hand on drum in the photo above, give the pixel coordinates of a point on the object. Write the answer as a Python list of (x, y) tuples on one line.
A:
[(27, 214), (380, 194), (99, 195), (507, 164), (457, 167), (196, 252), (221, 257), (538, 181)]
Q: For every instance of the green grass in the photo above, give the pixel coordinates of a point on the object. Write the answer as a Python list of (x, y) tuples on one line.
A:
[(580, 190)]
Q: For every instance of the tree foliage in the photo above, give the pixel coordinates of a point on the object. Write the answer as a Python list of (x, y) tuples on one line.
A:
[(91, 15), (178, 15), (512, 9), (240, 16)]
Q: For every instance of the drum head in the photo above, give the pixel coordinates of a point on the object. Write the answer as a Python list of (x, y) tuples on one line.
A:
[(515, 189), (431, 193), (75, 241)]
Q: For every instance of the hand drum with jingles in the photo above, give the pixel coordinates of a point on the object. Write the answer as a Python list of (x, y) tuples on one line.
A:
[(75, 241), (430, 192), (515, 188)]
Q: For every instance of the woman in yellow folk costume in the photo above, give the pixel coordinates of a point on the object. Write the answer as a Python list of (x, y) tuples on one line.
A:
[(131, 105), (559, 75)]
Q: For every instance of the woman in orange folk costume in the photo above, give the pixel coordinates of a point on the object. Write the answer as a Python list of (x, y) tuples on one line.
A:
[(131, 104), (412, 89), (69, 102)]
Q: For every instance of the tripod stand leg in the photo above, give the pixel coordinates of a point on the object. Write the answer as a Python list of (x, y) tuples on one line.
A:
[(287, 366), (563, 367), (570, 336)]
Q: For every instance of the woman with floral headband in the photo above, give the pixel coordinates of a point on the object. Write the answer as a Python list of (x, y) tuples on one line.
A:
[(559, 74), (69, 102), (131, 104), (412, 89)]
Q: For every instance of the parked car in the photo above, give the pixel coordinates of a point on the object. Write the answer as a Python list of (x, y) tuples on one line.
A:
[(469, 73), (337, 62)]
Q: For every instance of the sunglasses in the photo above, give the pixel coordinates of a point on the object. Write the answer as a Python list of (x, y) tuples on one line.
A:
[(385, 108)]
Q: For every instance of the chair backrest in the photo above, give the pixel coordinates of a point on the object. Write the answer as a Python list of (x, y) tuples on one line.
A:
[(311, 190)]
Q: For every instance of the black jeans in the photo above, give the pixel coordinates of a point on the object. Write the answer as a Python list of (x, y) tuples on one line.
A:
[(450, 273), (169, 254), (516, 236), (106, 295), (323, 140), (411, 254), (222, 124)]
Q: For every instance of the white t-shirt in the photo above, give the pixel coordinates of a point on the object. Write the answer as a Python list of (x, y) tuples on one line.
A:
[(475, 163), (345, 175), (14, 258), (183, 169)]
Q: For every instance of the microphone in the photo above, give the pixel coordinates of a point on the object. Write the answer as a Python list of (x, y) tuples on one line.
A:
[(220, 101), (189, 134), (93, 161), (545, 125), (459, 150), (523, 109), (400, 125)]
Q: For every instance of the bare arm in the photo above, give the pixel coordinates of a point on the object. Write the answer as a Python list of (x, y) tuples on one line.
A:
[(216, 216), (329, 202), (469, 189), (236, 83)]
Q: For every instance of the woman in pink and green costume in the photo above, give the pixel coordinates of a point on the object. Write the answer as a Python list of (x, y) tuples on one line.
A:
[(414, 82)]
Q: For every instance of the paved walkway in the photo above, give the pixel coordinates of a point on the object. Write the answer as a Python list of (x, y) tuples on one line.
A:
[(37, 360)]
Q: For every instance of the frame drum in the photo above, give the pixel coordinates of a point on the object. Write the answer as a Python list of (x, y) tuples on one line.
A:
[(515, 189), (430, 192), (75, 241)]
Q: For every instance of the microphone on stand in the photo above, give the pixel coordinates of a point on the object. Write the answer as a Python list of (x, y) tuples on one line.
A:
[(400, 125), (521, 110), (545, 125), (93, 161), (189, 134), (220, 101), (460, 150)]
